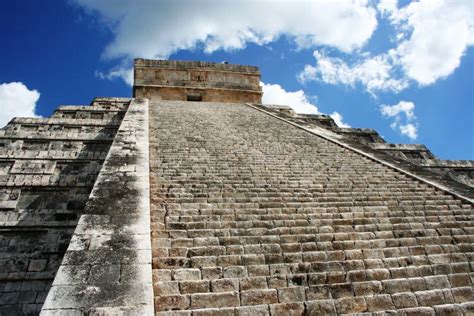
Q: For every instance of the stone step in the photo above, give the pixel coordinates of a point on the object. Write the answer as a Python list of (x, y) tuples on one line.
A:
[(311, 242), (249, 265), (358, 282), (284, 275), (337, 225), (317, 300), (327, 307), (290, 252), (239, 210), (325, 217), (406, 231)]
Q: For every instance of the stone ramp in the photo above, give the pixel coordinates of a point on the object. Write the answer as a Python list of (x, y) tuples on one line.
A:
[(253, 215)]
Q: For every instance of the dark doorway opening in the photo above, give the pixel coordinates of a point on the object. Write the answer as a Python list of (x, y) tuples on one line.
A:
[(194, 97)]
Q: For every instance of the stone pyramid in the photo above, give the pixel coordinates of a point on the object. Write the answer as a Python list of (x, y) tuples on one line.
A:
[(193, 198)]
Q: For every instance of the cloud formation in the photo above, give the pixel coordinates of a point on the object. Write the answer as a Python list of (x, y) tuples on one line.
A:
[(405, 121), (374, 74), (432, 36), (438, 33), (156, 29), (338, 119), (123, 72), (16, 100), (297, 100)]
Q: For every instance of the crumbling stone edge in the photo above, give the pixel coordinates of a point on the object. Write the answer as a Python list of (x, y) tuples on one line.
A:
[(385, 163), (107, 267)]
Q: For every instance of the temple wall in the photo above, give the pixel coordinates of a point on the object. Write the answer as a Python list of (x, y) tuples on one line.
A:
[(206, 95), (196, 81)]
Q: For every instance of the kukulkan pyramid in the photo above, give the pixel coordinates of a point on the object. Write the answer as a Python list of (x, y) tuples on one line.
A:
[(193, 198)]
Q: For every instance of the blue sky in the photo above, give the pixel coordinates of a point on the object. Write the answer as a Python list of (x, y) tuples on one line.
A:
[(403, 68)]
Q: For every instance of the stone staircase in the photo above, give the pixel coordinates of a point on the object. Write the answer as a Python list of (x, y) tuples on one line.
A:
[(251, 215), (457, 175)]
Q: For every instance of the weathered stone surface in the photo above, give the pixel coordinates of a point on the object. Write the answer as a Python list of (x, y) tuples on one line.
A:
[(186, 274), (214, 312), (255, 210), (457, 175), (256, 310), (354, 256), (404, 300), (166, 288), (196, 81), (348, 305), (256, 297), (169, 302), (194, 287), (48, 167), (448, 309), (209, 300), (225, 285), (322, 307), (379, 303), (291, 294), (418, 311), (114, 230)]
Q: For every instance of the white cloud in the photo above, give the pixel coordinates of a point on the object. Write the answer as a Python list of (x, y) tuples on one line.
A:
[(373, 73), (157, 29), (16, 100), (387, 7), (124, 73), (438, 32), (297, 100), (338, 119), (432, 36), (405, 121), (402, 107), (409, 130)]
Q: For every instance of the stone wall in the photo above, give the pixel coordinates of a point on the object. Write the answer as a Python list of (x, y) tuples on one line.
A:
[(48, 167), (193, 81), (205, 95)]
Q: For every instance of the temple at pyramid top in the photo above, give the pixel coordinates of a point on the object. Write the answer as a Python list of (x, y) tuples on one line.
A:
[(196, 81)]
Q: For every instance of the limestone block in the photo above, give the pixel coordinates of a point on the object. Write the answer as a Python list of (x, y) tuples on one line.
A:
[(209, 300), (290, 309), (225, 285), (165, 288), (256, 297), (381, 302), (194, 287), (291, 294), (320, 307), (351, 305), (186, 274), (169, 302)]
